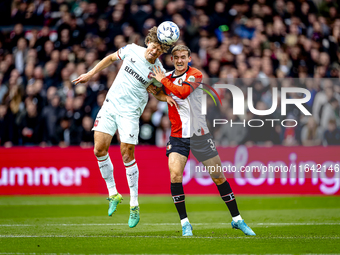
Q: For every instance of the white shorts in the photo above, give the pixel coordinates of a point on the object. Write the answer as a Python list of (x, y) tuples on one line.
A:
[(128, 128)]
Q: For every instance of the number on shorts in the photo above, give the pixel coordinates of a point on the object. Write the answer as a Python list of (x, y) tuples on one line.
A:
[(212, 145)]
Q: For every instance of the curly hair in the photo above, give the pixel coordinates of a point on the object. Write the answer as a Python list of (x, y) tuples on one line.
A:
[(152, 38)]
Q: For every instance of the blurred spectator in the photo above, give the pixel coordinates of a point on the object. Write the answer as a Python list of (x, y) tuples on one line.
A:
[(52, 115), (100, 100), (163, 132), (86, 133), (6, 126), (31, 125), (332, 134), (311, 134), (290, 135), (228, 135), (20, 55), (147, 128), (63, 132), (330, 111), (50, 75)]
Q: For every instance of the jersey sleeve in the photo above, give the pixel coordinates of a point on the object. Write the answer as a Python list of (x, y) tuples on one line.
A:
[(124, 51), (188, 86), (155, 82)]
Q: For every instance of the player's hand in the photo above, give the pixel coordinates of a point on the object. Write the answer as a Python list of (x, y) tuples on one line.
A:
[(172, 102), (151, 89), (158, 74), (82, 78)]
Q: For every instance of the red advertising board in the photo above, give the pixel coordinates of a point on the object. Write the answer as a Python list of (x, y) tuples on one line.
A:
[(74, 170)]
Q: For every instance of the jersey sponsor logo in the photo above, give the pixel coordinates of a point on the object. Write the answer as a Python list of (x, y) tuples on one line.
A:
[(135, 75), (43, 176)]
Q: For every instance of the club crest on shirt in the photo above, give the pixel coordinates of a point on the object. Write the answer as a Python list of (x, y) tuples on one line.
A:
[(191, 78), (168, 147)]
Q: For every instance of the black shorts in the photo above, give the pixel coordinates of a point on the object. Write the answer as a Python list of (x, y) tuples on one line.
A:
[(202, 147)]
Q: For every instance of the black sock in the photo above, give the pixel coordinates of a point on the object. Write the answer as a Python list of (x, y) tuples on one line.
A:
[(179, 197), (228, 197)]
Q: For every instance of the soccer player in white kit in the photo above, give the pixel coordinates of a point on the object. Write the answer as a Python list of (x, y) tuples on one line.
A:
[(121, 110)]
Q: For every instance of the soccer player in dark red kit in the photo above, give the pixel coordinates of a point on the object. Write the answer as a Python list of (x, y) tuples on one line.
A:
[(189, 131)]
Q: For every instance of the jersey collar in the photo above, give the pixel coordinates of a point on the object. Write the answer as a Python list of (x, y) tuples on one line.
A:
[(173, 73)]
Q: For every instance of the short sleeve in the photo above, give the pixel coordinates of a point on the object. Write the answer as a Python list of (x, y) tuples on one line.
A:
[(124, 51), (155, 82)]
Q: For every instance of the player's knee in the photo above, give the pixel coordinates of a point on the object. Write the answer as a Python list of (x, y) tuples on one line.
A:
[(176, 177), (127, 153), (218, 181), (99, 152), (127, 158)]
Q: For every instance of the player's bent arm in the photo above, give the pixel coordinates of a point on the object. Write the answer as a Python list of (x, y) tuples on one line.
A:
[(105, 62), (181, 92)]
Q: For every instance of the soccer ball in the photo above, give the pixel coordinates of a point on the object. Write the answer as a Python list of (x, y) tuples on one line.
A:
[(168, 32)]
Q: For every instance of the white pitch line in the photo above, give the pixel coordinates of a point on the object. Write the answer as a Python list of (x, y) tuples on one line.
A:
[(175, 224), (299, 224), (169, 237), (33, 253)]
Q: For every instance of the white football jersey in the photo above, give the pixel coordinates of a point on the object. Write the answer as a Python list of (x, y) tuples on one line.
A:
[(128, 96)]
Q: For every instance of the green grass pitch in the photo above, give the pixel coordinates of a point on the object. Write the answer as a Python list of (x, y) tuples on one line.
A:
[(80, 225)]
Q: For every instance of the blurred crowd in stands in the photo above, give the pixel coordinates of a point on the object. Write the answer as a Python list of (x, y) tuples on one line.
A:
[(45, 44)]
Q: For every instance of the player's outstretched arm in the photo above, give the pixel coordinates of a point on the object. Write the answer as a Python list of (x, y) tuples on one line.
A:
[(105, 62)]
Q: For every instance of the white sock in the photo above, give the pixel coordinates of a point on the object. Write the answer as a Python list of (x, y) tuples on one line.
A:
[(237, 218), (184, 221), (106, 169), (132, 175)]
